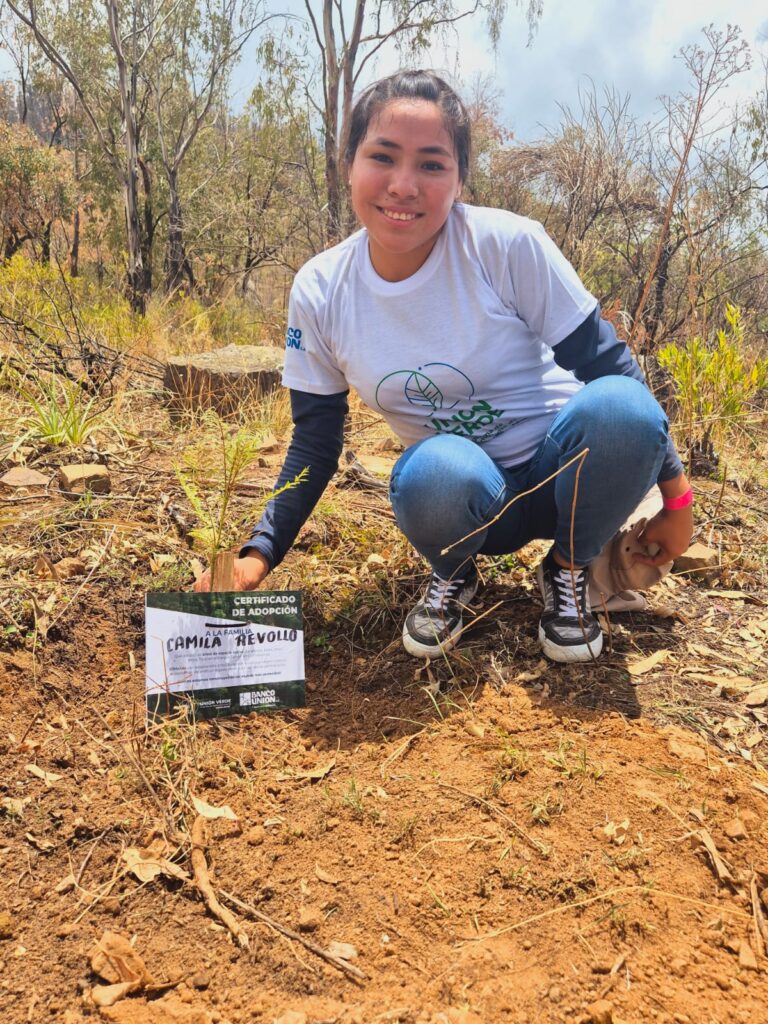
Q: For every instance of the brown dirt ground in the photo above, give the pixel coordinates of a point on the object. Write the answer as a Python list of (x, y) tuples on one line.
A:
[(516, 846)]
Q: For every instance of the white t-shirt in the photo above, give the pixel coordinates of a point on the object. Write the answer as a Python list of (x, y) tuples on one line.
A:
[(463, 346)]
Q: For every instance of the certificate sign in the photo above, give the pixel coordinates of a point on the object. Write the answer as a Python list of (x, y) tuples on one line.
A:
[(224, 654)]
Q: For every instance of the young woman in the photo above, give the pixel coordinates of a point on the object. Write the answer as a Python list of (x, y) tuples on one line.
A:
[(471, 334)]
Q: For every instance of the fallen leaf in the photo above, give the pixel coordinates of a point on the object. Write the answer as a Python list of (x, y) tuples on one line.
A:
[(718, 863), (39, 844), (48, 777), (209, 811), (617, 831), (639, 668), (475, 729), (13, 806), (147, 864), (734, 595), (313, 774), (758, 696), (325, 876), (108, 995), (115, 960)]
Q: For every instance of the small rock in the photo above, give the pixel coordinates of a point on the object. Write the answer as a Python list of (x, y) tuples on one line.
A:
[(600, 1012), (385, 445), (722, 981), (310, 918), (84, 476), (735, 829), (255, 836), (747, 958), (7, 925), (201, 980), (678, 966), (555, 994), (291, 1017), (343, 950), (20, 476), (698, 561)]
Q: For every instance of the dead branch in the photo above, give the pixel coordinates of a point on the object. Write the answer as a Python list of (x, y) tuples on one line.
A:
[(203, 882)]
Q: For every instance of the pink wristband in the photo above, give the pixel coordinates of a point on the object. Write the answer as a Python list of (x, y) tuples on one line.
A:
[(681, 501)]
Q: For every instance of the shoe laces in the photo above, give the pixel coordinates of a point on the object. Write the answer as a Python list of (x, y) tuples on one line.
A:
[(566, 581), (441, 591)]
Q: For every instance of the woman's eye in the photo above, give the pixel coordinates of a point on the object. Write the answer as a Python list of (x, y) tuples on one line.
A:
[(433, 165), (383, 158)]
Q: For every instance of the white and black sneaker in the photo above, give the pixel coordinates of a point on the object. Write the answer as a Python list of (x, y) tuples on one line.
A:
[(433, 626), (568, 631)]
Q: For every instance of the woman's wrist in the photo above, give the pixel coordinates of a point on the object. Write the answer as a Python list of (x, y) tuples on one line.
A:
[(677, 487)]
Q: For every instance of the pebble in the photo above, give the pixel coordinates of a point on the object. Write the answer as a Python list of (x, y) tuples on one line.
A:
[(555, 994), (7, 925), (678, 966), (747, 958), (722, 981), (201, 980), (255, 836), (601, 1012), (735, 829), (310, 918)]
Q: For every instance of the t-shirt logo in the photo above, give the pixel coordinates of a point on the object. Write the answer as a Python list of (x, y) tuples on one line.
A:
[(432, 385), (440, 388), (293, 338)]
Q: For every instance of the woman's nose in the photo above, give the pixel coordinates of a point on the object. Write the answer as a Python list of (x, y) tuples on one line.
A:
[(402, 183)]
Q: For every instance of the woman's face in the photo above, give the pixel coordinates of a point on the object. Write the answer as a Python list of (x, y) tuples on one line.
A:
[(404, 179)]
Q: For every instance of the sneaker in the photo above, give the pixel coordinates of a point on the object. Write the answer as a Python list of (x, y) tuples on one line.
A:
[(568, 631), (433, 626)]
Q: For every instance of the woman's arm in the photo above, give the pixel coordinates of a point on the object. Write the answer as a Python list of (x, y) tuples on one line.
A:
[(316, 445)]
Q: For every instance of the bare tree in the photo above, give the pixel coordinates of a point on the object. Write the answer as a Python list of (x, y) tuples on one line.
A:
[(199, 44), (129, 48), (726, 54)]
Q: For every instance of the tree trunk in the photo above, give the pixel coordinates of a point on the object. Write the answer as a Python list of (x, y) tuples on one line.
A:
[(148, 234), (74, 252), (177, 266), (45, 248)]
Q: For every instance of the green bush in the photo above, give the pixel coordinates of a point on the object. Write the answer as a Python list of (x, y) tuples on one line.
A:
[(717, 384)]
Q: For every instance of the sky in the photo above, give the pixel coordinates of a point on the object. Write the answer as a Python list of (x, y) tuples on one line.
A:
[(627, 44)]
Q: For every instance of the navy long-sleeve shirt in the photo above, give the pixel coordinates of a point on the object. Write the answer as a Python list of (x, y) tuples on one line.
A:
[(591, 351)]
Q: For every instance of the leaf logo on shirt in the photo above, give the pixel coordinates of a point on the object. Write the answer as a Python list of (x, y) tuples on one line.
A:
[(432, 385)]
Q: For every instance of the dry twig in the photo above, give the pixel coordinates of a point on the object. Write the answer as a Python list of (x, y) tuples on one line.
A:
[(353, 972), (203, 882)]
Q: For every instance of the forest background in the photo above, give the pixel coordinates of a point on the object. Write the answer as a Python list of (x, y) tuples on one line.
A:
[(154, 208)]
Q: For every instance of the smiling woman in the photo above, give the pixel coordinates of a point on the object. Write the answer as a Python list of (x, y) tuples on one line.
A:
[(404, 179), (472, 335)]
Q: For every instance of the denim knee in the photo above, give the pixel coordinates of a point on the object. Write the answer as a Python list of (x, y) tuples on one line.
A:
[(442, 481), (611, 410)]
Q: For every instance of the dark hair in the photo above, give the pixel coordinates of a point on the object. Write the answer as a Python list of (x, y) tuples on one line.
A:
[(412, 85)]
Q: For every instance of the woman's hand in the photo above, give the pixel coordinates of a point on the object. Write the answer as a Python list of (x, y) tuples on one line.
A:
[(671, 529), (248, 574)]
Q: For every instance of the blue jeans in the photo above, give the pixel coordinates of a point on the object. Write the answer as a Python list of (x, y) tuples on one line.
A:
[(445, 487)]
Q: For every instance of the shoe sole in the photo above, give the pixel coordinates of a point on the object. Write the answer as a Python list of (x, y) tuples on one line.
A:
[(571, 653), (418, 650)]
